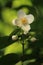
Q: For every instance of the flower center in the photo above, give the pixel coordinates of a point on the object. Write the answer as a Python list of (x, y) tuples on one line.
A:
[(24, 20)]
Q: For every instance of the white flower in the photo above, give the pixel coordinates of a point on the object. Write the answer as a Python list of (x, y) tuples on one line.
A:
[(23, 21), (14, 37)]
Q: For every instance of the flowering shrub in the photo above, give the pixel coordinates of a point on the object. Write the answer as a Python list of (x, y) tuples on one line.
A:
[(22, 42)]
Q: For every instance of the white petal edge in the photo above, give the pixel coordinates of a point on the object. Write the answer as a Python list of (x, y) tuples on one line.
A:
[(30, 18), (21, 14), (26, 28), (13, 22)]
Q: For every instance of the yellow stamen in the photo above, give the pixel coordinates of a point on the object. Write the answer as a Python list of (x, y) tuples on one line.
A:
[(24, 20)]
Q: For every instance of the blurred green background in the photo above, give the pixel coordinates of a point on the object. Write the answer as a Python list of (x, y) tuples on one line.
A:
[(33, 51)]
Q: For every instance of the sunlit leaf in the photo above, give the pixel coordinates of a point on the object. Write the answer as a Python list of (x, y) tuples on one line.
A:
[(8, 15), (13, 48), (18, 3), (29, 61), (29, 51), (5, 29), (26, 10)]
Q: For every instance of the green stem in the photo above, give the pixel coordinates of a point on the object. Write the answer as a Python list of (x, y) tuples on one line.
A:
[(23, 52)]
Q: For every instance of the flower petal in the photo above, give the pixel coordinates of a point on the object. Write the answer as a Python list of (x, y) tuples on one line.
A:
[(13, 22), (21, 14), (30, 18), (26, 28), (17, 22)]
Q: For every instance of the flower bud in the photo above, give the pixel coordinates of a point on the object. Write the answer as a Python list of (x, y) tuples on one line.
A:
[(14, 37), (33, 39)]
